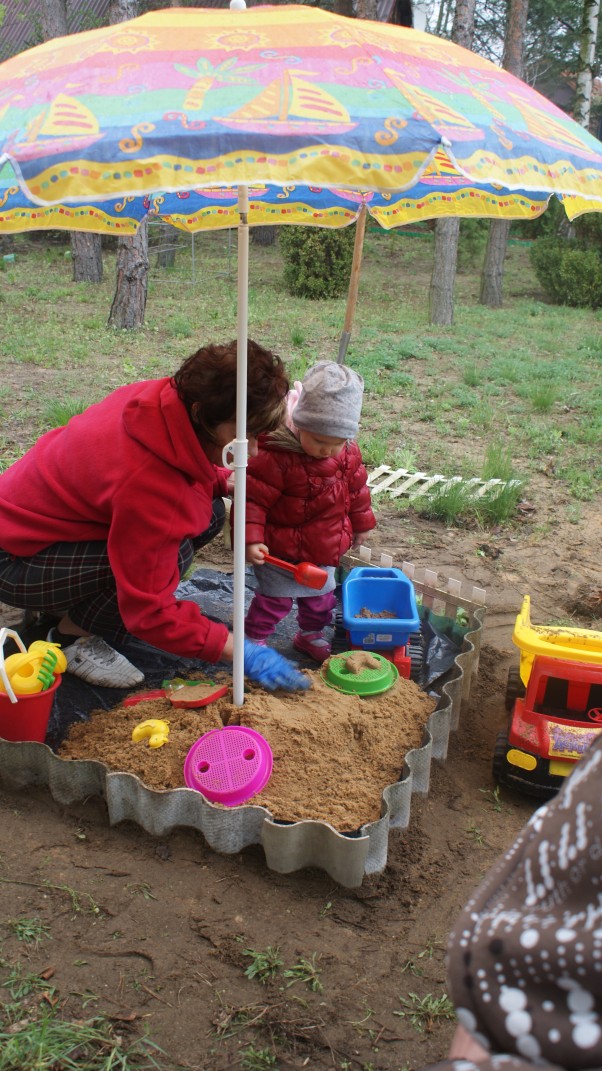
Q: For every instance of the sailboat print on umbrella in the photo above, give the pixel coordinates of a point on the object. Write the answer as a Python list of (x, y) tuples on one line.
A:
[(66, 124), (292, 105)]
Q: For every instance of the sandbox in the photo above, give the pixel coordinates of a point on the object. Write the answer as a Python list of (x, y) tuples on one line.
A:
[(347, 843)]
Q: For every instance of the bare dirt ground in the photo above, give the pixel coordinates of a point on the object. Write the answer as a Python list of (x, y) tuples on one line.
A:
[(157, 934)]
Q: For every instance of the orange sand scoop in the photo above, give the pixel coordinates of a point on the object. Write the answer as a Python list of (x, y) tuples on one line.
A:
[(197, 695), (311, 576), (190, 695)]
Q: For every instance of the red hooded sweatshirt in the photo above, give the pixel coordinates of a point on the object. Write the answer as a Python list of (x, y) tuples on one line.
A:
[(130, 471)]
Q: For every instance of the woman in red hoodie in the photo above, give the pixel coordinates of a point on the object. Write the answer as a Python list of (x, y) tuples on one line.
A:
[(101, 518)]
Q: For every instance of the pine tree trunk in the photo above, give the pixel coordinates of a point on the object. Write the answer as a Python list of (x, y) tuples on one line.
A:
[(129, 302), (447, 231), (263, 235), (120, 10), (54, 19), (367, 9), (445, 259), (86, 256), (492, 275)]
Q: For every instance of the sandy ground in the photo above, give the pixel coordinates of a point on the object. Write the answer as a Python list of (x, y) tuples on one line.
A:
[(159, 934)]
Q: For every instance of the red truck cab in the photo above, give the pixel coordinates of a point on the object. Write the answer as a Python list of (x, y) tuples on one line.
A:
[(552, 724)]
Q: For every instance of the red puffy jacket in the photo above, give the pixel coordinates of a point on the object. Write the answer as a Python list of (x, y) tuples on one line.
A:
[(305, 508)]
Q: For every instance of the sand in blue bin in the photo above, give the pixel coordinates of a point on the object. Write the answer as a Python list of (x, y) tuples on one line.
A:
[(389, 598)]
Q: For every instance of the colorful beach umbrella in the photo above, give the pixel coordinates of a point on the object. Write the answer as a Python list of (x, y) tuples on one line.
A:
[(188, 98), (187, 101)]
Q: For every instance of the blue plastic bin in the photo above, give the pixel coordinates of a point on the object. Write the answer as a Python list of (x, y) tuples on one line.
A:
[(378, 590)]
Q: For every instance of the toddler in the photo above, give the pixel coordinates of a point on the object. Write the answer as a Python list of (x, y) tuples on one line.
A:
[(307, 500)]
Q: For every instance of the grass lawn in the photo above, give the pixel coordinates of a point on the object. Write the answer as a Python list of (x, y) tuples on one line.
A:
[(510, 393), (515, 391)]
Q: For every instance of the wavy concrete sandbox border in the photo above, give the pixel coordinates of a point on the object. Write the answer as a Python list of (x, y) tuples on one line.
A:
[(287, 846)]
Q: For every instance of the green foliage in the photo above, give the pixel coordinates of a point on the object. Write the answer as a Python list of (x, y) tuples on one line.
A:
[(258, 1059), (317, 262), (424, 1012), (472, 243), (498, 463), (498, 505), (545, 226), (543, 396), (181, 326), (456, 502), (446, 502), (50, 1042), (306, 970), (588, 229), (58, 412), (551, 45), (568, 273), (29, 930), (264, 965)]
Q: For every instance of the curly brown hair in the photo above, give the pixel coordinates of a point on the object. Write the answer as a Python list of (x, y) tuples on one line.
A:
[(206, 383)]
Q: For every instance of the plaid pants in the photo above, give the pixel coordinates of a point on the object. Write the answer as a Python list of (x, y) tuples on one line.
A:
[(76, 578)]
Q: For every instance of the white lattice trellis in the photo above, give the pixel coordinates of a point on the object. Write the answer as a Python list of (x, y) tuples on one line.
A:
[(397, 482)]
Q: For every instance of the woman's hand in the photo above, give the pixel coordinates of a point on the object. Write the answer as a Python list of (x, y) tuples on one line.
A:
[(267, 667), (272, 670), (255, 553)]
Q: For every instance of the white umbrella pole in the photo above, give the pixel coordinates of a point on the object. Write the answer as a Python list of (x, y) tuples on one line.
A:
[(354, 283), (240, 448)]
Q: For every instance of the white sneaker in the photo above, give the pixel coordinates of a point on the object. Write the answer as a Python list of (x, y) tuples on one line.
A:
[(91, 659)]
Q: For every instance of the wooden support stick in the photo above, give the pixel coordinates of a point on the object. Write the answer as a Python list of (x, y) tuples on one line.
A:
[(354, 283)]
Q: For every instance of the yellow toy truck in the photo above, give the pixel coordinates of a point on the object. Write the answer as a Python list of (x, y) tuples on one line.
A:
[(554, 700)]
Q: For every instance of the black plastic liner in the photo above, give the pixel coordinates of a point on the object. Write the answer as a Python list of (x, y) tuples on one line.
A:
[(213, 591)]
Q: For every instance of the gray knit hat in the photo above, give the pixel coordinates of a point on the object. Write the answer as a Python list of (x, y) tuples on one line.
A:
[(331, 401)]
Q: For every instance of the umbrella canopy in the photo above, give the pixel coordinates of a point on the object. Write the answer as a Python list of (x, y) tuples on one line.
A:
[(187, 101), (439, 193), (184, 98)]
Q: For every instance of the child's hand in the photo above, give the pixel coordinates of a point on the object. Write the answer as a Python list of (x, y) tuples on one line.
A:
[(358, 537), (255, 553)]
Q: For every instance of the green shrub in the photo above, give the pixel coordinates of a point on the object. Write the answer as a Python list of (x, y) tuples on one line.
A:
[(568, 273), (588, 229), (546, 255), (472, 243), (317, 262), (543, 226)]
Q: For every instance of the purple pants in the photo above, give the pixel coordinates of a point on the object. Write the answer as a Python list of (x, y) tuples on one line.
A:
[(314, 612)]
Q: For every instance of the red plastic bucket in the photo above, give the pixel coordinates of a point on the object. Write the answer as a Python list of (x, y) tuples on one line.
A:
[(27, 719)]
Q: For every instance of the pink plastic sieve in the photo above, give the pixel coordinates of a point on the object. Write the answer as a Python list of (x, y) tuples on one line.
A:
[(229, 765)]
